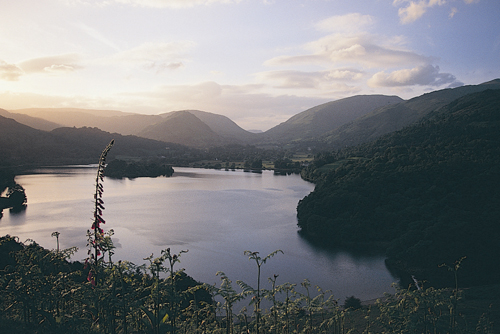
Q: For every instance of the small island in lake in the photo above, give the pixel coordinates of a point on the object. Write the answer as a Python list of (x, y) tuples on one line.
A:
[(120, 169)]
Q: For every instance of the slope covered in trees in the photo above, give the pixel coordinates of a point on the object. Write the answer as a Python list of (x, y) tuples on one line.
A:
[(395, 117), (23, 146), (319, 120), (427, 194)]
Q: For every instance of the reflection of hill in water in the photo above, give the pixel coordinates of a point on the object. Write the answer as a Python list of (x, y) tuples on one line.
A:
[(215, 214), (356, 250)]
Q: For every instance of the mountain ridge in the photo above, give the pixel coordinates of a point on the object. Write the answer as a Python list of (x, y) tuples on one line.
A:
[(384, 120), (314, 122), (332, 125)]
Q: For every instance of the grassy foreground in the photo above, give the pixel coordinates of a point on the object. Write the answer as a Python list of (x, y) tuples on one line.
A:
[(44, 292)]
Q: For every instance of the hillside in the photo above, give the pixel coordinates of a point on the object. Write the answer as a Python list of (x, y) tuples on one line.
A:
[(149, 126), (33, 122), (106, 120), (314, 122), (184, 128), (427, 194), (224, 126), (333, 125), (395, 117), (21, 145)]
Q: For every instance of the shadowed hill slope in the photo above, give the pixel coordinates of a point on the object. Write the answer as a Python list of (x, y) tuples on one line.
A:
[(428, 194), (34, 122), (185, 128), (321, 119), (21, 145), (395, 117)]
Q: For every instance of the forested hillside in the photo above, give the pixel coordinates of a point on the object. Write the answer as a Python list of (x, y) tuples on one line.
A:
[(428, 194), (22, 146), (395, 117)]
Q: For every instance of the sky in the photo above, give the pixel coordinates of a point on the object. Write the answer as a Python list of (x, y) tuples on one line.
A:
[(258, 62)]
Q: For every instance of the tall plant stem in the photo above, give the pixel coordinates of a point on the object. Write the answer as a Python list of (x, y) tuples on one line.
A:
[(259, 261)]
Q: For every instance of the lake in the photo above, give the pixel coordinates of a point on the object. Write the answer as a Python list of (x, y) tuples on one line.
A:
[(214, 214)]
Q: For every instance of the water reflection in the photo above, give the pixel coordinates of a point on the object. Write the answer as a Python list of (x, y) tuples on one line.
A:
[(217, 215)]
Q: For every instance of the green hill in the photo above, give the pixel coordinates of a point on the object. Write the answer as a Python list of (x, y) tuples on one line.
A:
[(317, 121), (394, 117), (224, 127), (22, 146), (428, 194), (184, 128)]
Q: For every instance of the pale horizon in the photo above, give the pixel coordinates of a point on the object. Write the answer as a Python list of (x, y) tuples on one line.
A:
[(258, 62)]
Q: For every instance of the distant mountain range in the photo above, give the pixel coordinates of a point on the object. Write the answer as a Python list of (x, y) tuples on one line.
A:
[(335, 124), (21, 145)]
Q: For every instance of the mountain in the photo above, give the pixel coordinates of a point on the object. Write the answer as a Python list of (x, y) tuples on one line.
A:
[(70, 116), (131, 124), (428, 194), (223, 126), (321, 119), (184, 128), (34, 122), (106, 120), (336, 124), (395, 117), (143, 125), (21, 145)]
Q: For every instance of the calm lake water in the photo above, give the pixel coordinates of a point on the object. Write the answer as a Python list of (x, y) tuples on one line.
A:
[(216, 215)]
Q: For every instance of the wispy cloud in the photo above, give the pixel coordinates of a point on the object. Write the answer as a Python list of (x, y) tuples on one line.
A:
[(50, 65), (453, 12), (359, 49), (95, 34), (59, 63), (410, 11), (414, 10), (155, 56), (324, 80), (9, 72), (353, 22), (174, 3)]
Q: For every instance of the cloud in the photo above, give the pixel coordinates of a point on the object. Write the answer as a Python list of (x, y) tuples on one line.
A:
[(453, 11), (357, 49), (51, 64), (58, 68), (427, 75), (10, 72), (414, 10), (173, 3), (96, 35), (155, 56), (351, 56), (325, 80), (345, 23)]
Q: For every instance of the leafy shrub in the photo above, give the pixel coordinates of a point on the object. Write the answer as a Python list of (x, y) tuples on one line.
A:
[(352, 303)]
